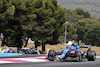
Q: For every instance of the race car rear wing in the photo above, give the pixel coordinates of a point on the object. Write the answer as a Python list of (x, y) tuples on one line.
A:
[(84, 46)]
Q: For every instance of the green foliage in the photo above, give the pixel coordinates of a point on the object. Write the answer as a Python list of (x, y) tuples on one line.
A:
[(71, 33), (39, 19), (76, 31), (83, 26), (10, 24), (77, 14), (93, 36), (10, 10), (43, 20), (79, 23), (79, 11), (50, 19), (86, 14)]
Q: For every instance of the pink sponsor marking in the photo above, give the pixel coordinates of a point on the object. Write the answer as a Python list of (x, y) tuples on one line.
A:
[(14, 61)]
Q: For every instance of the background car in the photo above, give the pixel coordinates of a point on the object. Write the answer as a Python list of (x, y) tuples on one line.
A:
[(30, 50)]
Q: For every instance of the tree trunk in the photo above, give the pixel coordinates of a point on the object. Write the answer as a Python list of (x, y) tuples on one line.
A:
[(78, 42), (43, 47), (26, 42), (3, 42), (36, 43)]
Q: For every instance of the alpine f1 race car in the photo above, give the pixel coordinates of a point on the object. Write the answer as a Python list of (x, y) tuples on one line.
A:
[(72, 53)]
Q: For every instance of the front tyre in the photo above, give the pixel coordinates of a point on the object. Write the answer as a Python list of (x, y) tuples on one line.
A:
[(78, 55), (52, 55)]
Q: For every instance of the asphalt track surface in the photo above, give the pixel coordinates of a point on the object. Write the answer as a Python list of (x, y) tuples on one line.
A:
[(84, 63)]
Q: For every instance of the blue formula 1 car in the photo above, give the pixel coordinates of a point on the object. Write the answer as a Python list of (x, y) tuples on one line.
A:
[(72, 53)]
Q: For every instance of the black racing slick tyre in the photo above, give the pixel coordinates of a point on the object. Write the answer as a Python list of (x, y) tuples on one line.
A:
[(91, 55), (52, 55), (78, 56)]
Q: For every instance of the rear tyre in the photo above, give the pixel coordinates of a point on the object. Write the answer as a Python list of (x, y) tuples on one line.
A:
[(91, 55)]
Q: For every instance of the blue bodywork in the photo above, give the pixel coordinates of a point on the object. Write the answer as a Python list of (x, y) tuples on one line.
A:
[(75, 48)]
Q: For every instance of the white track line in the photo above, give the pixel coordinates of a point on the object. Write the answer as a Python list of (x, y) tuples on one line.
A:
[(23, 60), (2, 62), (97, 56), (34, 59)]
